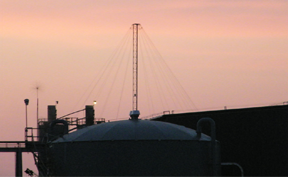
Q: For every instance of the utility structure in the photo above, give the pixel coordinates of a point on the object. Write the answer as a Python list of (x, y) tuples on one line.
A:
[(38, 140), (134, 114)]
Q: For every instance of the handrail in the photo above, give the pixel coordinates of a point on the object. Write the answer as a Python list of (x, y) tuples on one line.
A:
[(12, 144), (152, 115), (30, 134), (158, 114), (71, 113)]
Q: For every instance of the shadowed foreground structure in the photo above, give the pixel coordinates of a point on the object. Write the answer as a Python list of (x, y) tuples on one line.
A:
[(135, 148), (256, 138), (122, 148), (252, 139)]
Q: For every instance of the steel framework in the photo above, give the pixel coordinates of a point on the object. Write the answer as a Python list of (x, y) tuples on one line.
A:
[(135, 28)]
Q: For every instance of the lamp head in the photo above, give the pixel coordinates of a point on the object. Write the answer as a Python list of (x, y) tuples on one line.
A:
[(26, 101)]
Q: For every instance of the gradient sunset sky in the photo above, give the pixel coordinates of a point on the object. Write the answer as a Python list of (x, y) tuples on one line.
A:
[(224, 53)]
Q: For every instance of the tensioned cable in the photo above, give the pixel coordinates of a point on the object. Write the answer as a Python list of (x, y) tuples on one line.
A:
[(110, 67), (183, 93), (123, 85), (146, 83), (102, 72), (162, 78), (157, 81), (165, 80), (173, 84), (154, 75), (115, 75), (159, 76)]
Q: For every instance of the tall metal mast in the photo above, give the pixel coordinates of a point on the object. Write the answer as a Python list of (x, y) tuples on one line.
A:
[(134, 114), (135, 66)]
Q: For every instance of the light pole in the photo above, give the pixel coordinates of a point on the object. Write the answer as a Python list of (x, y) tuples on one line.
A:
[(26, 101), (94, 102)]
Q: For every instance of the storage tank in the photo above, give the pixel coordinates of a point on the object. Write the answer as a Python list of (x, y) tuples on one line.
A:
[(135, 148)]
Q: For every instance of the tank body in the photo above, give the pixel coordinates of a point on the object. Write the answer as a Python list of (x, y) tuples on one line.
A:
[(134, 148)]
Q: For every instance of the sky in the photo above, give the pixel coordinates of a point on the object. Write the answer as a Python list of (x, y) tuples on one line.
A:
[(223, 53)]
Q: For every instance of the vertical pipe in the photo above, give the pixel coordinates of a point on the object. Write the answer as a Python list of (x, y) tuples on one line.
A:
[(213, 140)]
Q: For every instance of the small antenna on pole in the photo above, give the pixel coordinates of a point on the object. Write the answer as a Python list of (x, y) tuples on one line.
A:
[(37, 89), (134, 114)]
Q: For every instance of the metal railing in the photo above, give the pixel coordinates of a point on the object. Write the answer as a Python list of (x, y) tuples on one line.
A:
[(75, 120), (12, 144), (31, 134), (158, 114), (82, 121), (99, 120)]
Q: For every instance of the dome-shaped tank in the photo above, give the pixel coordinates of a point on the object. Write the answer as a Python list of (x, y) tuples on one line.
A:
[(134, 147)]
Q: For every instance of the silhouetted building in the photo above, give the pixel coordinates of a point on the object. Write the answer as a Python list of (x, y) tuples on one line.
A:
[(256, 138)]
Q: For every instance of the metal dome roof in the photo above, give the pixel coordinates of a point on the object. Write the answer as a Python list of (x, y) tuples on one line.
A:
[(132, 130)]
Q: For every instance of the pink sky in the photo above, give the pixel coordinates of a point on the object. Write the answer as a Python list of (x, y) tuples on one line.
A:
[(225, 53)]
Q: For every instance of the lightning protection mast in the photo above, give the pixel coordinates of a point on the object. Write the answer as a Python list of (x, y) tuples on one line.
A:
[(134, 114)]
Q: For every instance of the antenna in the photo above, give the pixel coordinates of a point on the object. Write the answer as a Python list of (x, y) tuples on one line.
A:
[(37, 89), (134, 114)]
